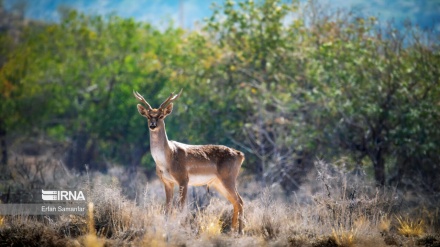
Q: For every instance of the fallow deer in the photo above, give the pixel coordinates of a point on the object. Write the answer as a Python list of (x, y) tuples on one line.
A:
[(182, 164)]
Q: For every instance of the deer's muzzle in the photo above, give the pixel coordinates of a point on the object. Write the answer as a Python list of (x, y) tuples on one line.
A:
[(153, 124)]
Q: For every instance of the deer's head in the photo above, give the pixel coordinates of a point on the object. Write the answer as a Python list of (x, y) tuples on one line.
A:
[(155, 115)]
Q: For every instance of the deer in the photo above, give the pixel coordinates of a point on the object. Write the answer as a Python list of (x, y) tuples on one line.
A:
[(182, 164)]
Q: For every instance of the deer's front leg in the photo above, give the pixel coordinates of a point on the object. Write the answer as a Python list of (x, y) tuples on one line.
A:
[(183, 190), (169, 187)]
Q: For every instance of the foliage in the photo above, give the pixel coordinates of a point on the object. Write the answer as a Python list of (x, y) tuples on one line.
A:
[(284, 82), (374, 92), (76, 79)]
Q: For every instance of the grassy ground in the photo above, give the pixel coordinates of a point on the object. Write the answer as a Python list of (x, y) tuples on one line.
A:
[(335, 208)]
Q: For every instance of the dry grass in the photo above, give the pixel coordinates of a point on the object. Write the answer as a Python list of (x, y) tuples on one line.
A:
[(91, 240), (384, 224), (344, 238), (210, 222), (338, 209), (410, 228)]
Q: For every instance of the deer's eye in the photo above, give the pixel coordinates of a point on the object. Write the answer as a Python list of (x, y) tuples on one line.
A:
[(161, 117)]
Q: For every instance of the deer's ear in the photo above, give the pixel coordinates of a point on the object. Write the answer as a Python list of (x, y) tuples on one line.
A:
[(142, 110), (168, 109)]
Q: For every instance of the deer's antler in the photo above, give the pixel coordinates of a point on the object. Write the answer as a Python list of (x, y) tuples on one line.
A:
[(170, 99), (141, 99)]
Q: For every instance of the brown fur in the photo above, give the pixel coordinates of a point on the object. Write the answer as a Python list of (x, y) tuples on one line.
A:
[(182, 165)]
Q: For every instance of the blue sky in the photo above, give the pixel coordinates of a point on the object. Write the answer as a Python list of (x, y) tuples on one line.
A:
[(425, 13)]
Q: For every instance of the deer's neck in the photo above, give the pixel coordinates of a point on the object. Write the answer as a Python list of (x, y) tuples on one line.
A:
[(159, 145)]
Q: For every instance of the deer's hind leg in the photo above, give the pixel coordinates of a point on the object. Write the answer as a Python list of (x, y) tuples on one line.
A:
[(227, 189)]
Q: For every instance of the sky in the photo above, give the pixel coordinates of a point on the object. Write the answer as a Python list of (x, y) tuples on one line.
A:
[(425, 13)]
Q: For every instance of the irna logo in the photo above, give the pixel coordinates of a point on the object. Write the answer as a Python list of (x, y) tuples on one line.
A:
[(62, 195)]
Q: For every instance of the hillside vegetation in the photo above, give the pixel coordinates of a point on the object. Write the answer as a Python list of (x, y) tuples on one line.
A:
[(337, 115), (283, 84)]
